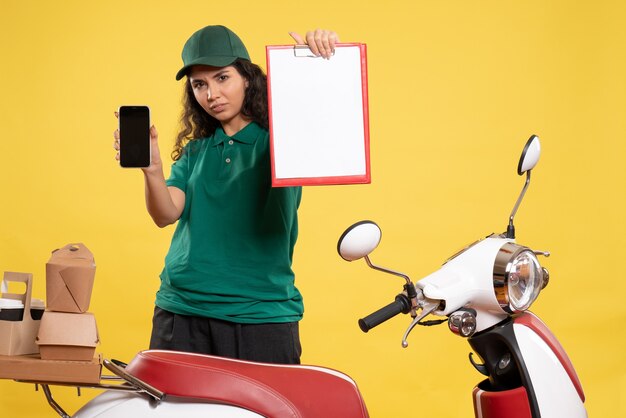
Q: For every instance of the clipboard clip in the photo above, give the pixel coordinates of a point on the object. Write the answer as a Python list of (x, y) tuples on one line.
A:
[(303, 51)]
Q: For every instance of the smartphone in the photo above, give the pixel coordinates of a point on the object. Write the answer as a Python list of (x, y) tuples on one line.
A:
[(134, 125)]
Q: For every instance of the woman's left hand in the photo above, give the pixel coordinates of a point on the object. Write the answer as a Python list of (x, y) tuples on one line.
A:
[(321, 42)]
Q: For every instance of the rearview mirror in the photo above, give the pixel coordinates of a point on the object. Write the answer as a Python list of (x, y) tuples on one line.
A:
[(359, 240), (530, 156), (527, 161)]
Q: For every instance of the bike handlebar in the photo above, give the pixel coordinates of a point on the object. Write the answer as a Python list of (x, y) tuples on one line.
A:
[(402, 304)]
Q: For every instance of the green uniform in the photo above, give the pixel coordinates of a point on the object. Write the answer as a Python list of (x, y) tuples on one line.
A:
[(231, 254)]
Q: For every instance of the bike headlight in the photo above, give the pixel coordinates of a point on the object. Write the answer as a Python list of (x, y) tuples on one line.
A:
[(517, 277)]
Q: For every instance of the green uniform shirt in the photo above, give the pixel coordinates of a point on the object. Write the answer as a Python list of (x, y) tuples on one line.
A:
[(230, 256)]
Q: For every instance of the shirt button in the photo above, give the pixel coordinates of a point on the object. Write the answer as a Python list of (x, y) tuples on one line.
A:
[(231, 142), (228, 161)]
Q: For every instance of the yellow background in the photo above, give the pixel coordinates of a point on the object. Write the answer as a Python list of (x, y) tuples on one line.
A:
[(456, 88)]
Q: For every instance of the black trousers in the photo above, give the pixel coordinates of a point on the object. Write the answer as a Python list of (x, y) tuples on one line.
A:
[(268, 343)]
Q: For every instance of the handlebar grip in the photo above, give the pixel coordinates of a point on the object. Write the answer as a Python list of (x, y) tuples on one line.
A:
[(402, 304)]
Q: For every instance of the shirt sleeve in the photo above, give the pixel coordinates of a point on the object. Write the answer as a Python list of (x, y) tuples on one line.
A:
[(180, 172)]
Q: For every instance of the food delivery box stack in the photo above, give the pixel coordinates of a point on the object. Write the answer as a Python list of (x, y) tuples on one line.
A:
[(58, 343), (67, 330)]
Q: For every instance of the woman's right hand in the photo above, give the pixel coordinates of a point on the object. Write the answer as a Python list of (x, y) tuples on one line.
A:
[(155, 156), (164, 204)]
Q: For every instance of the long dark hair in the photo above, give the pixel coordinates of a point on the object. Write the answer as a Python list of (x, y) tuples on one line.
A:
[(196, 123)]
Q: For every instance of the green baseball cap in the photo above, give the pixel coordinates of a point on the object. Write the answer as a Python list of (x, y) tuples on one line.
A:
[(216, 46)]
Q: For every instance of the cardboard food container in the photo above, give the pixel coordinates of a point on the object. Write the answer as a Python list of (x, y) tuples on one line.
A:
[(67, 336), (70, 273), (18, 337), (33, 369)]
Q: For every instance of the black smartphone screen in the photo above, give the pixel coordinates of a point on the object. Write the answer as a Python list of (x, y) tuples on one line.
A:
[(134, 136)]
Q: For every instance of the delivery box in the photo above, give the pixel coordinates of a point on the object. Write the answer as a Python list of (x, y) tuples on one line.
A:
[(33, 369), (18, 330), (70, 273), (67, 336)]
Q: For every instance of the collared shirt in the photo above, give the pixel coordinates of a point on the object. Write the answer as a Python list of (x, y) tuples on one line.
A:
[(231, 254)]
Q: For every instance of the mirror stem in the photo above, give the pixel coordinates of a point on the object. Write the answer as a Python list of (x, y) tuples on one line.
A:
[(375, 267), (510, 230)]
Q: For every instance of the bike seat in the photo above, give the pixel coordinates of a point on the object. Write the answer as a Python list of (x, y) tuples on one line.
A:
[(271, 390)]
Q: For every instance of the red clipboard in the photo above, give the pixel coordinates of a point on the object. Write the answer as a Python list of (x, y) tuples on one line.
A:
[(318, 116)]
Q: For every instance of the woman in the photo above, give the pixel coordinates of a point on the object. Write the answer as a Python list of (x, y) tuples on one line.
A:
[(227, 287)]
